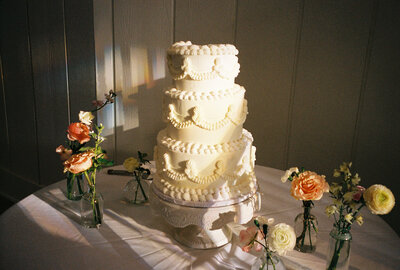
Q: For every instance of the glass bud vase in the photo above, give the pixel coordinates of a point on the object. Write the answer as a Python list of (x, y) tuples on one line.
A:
[(135, 191), (76, 186), (338, 256), (92, 204), (263, 264), (306, 229)]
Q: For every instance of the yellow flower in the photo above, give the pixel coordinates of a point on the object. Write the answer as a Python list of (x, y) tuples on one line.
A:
[(348, 218), (337, 202), (86, 117), (130, 164), (379, 199), (336, 173), (360, 220), (356, 179), (345, 167), (335, 188), (330, 210), (288, 173), (348, 197)]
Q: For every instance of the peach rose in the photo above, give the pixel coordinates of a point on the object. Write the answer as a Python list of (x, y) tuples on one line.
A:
[(63, 152), (309, 186), (78, 132), (79, 162)]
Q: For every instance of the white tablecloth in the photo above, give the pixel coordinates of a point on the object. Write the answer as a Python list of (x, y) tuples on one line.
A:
[(43, 232)]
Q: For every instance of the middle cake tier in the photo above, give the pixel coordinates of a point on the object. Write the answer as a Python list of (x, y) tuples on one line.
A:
[(205, 117)]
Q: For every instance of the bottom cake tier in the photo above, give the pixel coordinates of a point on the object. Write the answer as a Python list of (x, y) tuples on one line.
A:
[(205, 175)]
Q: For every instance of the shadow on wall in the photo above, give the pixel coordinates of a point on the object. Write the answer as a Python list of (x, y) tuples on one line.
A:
[(140, 78)]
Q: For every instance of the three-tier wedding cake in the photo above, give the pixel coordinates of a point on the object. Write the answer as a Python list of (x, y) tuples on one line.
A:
[(204, 157)]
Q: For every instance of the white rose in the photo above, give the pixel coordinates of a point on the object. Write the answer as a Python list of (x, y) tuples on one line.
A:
[(282, 238), (289, 172), (86, 117)]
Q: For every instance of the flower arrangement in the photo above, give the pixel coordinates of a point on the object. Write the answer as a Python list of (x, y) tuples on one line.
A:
[(348, 199), (83, 160), (306, 186), (139, 172), (273, 239)]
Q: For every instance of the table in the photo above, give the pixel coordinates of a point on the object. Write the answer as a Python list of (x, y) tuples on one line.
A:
[(42, 232)]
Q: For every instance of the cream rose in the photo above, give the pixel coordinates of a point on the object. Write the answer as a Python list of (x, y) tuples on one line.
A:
[(86, 117), (79, 162), (379, 199), (288, 173), (282, 238), (309, 186), (130, 164)]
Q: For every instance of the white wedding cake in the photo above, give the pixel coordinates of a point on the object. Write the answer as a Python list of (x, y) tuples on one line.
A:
[(204, 157)]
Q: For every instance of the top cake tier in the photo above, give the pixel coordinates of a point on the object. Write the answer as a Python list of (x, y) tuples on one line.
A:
[(203, 67)]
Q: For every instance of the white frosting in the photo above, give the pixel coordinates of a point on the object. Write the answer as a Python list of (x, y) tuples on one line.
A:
[(200, 68), (205, 117), (204, 154)]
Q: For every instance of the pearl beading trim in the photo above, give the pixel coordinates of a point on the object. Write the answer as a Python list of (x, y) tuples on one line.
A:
[(187, 48), (204, 149), (201, 96)]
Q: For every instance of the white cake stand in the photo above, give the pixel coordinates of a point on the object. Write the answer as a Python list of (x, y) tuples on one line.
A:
[(204, 227)]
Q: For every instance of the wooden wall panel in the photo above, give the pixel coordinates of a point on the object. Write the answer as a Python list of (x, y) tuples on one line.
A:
[(103, 37), (266, 39), (143, 32), (205, 22), (19, 94), (79, 35), (332, 55), (377, 152), (49, 72)]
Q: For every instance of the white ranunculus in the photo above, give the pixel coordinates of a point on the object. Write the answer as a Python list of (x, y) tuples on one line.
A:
[(282, 238), (86, 117), (289, 172)]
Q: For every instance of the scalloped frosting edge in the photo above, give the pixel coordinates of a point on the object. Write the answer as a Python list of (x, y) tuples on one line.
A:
[(217, 69), (187, 48), (196, 119)]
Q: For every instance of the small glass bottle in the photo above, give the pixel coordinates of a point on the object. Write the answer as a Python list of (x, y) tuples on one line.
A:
[(76, 186), (338, 256), (263, 264), (306, 229), (92, 205)]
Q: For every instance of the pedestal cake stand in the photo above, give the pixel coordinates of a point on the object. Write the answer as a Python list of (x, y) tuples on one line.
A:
[(203, 227)]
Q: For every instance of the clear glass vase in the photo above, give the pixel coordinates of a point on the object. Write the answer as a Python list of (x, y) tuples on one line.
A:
[(306, 229), (135, 191), (92, 205), (262, 263), (76, 186), (338, 256)]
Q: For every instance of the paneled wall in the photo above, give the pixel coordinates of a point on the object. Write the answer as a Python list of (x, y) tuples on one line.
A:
[(322, 79)]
